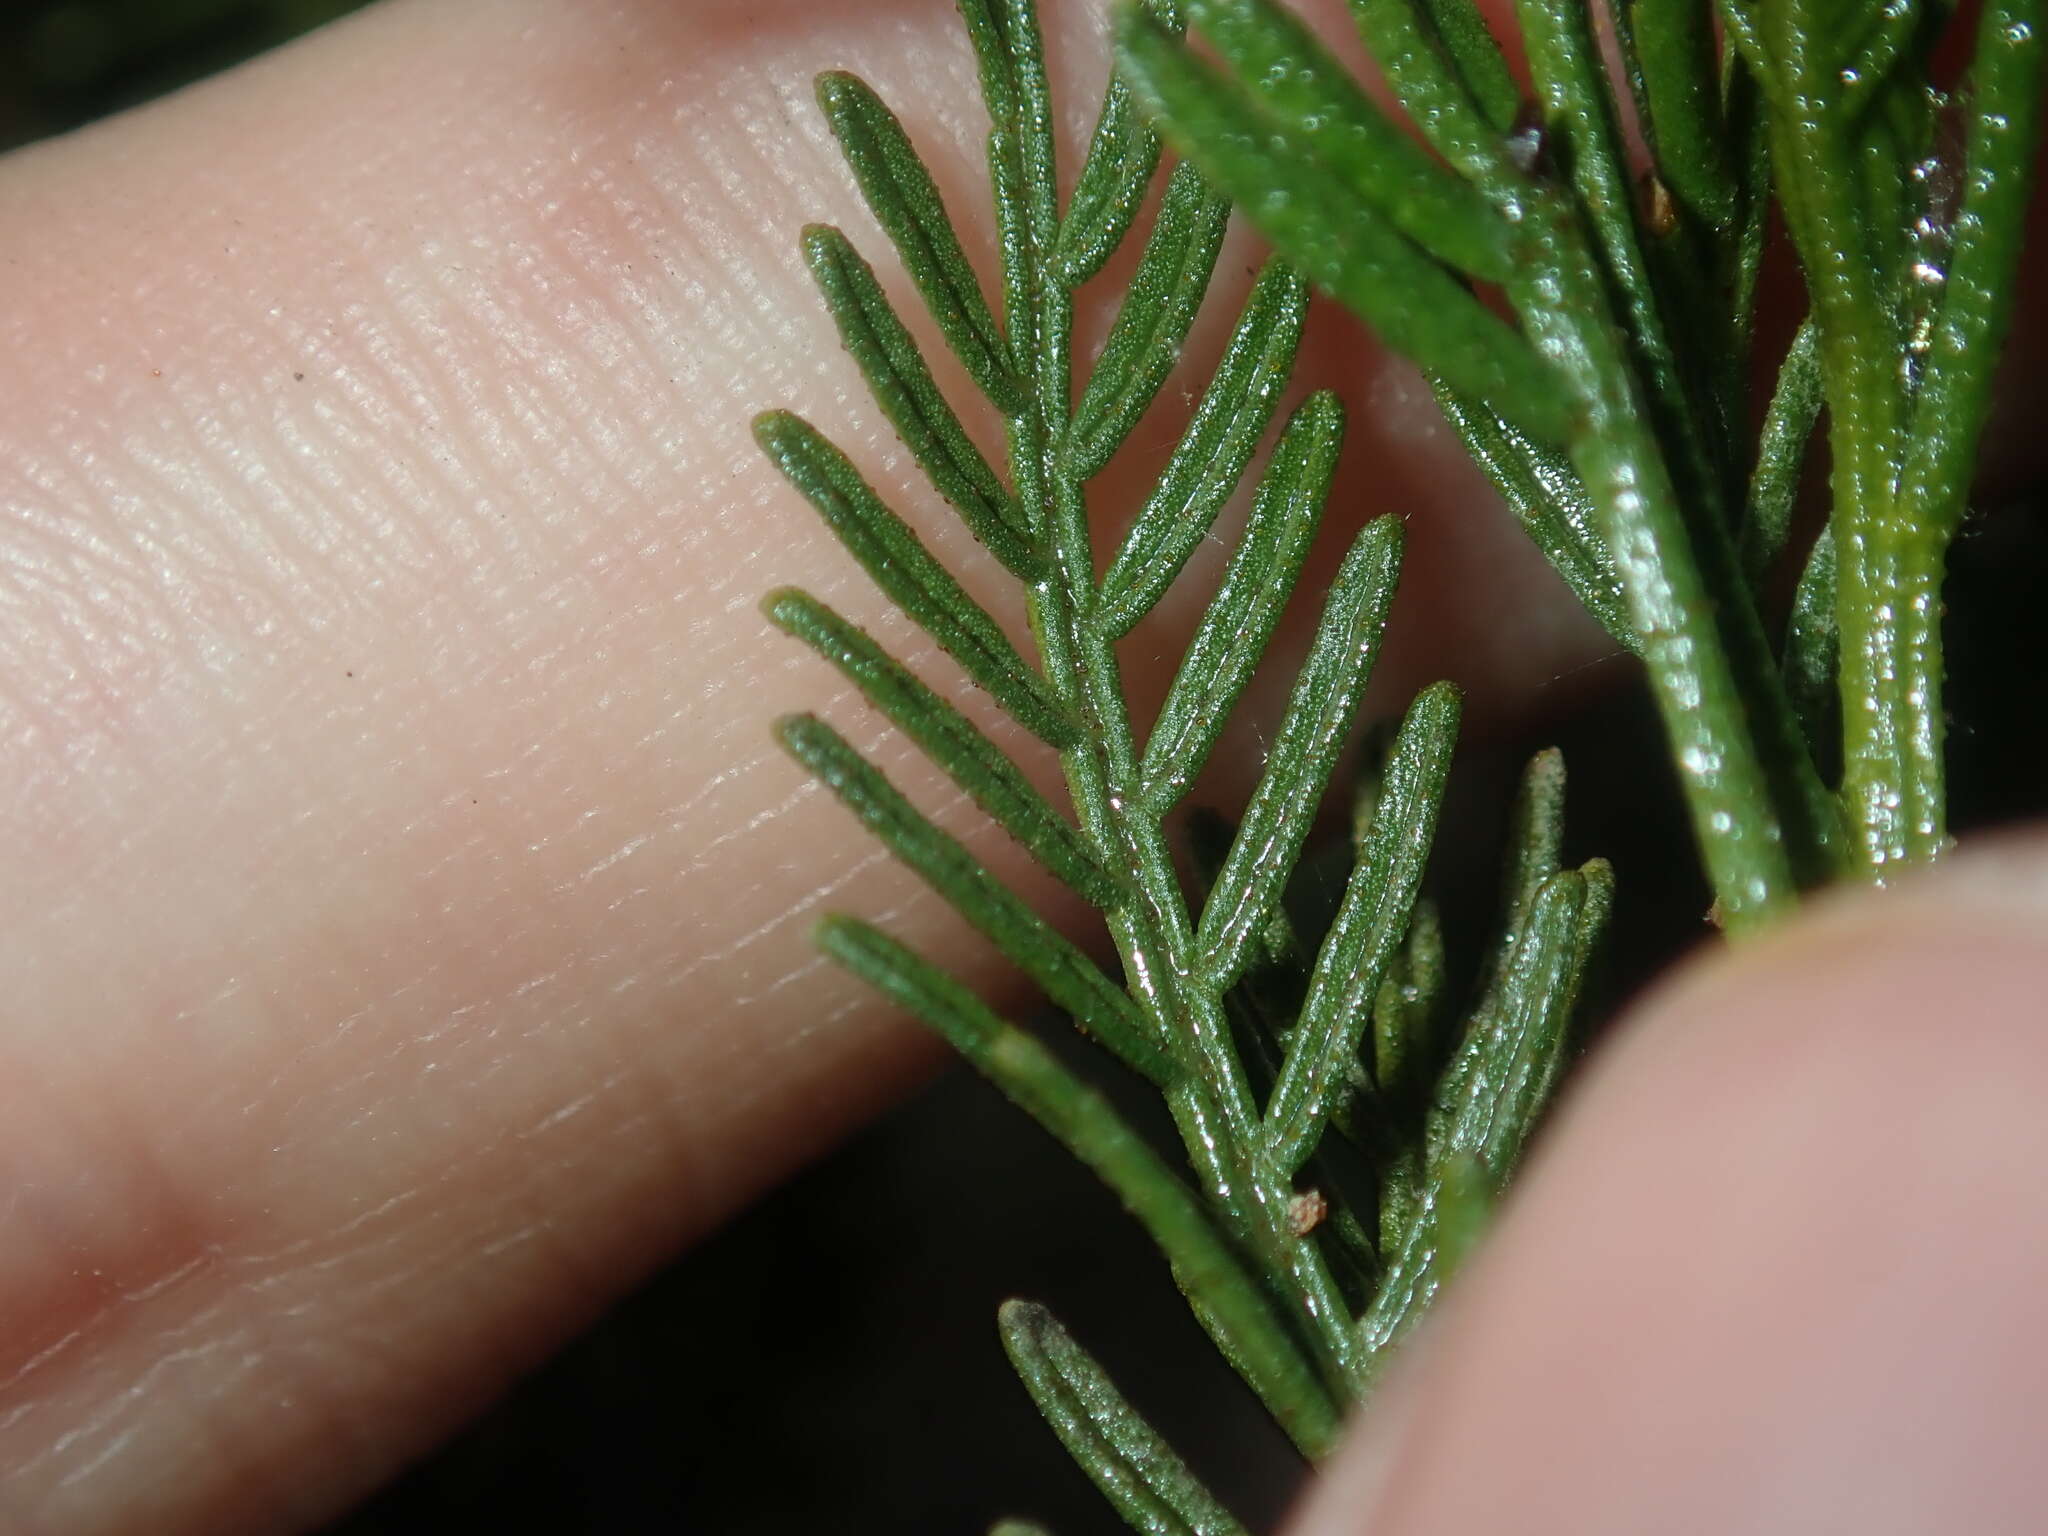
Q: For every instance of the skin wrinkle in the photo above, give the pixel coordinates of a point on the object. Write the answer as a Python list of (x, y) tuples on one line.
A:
[(262, 1489), (226, 1361), (108, 1224)]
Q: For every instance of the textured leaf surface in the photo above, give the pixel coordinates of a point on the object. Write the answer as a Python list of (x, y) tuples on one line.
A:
[(1287, 70), (1225, 1298), (906, 203), (1313, 730), (1134, 1467), (981, 768), (904, 389), (902, 567), (1073, 981), (1123, 152), (1240, 619), (1340, 241), (1368, 931), (1151, 327), (1213, 452)]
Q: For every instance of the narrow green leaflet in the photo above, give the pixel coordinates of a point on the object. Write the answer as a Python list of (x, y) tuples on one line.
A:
[(1474, 55), (1813, 650), (1293, 76), (1535, 845), (1781, 455), (1516, 1047), (1578, 108), (1594, 914), (981, 768), (1123, 152), (1231, 640), (1451, 80), (1368, 932), (1312, 732), (1742, 108), (903, 388), (2001, 154), (1136, 1470), (1346, 246), (1549, 501), (906, 202), (1225, 1298), (1406, 1014), (1150, 329), (1494, 1090), (1674, 46), (1070, 978), (1212, 453), (1122, 156), (1021, 156), (902, 567), (1265, 1000), (1535, 852)]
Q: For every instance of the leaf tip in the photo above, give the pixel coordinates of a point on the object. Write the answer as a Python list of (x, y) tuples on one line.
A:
[(838, 89), (1325, 408), (774, 429), (822, 244), (799, 733), (1385, 536), (1018, 1317), (786, 607), (839, 936)]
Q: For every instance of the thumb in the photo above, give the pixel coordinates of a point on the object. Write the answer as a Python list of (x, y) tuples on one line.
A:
[(1780, 1266)]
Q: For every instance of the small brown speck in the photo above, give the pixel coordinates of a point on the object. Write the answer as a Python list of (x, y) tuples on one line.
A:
[(298, 378), (1306, 1210), (1661, 212), (348, 674)]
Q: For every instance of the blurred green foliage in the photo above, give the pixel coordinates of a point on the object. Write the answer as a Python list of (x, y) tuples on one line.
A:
[(65, 62)]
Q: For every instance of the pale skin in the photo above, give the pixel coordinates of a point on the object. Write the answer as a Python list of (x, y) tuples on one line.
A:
[(404, 910)]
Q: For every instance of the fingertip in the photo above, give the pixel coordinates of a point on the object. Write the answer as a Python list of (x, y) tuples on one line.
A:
[(1777, 1267)]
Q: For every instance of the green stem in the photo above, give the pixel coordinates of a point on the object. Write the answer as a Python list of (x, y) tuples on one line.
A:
[(1737, 813), (1212, 1104), (1760, 814), (1888, 590), (1888, 609), (1838, 181), (1762, 819)]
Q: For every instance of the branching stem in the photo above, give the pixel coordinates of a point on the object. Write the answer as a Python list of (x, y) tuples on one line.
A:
[(1212, 1104)]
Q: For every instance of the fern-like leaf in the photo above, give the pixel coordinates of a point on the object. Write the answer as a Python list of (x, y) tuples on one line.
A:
[(1255, 1047)]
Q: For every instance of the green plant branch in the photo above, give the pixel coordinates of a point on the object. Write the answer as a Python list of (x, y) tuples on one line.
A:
[(1212, 1102), (1762, 817), (1852, 118), (1610, 406), (1229, 1303), (1257, 1038)]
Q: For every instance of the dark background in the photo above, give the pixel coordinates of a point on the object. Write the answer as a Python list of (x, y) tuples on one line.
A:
[(829, 1362)]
